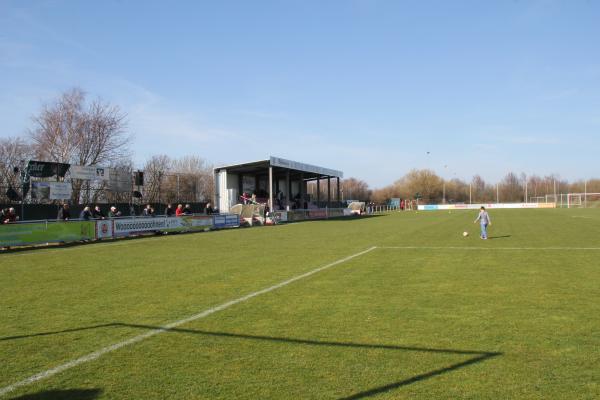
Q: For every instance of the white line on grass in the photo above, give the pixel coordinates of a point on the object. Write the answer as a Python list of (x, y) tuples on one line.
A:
[(165, 328), (482, 248)]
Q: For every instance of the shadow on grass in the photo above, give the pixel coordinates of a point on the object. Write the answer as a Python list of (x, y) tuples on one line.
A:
[(476, 356), (70, 394), (499, 237)]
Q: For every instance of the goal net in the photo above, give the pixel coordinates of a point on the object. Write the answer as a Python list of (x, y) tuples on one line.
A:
[(579, 200)]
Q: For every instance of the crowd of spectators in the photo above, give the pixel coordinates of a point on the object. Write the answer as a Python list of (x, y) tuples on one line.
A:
[(8, 215)]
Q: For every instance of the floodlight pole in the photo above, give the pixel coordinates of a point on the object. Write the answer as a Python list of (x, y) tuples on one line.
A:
[(443, 191), (470, 193), (497, 193), (23, 180)]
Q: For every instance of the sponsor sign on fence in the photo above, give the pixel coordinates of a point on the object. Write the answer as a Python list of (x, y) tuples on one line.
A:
[(226, 221), (432, 207), (24, 234), (188, 223), (104, 229)]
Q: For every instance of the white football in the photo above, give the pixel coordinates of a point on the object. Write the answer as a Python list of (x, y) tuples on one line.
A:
[(465, 234)]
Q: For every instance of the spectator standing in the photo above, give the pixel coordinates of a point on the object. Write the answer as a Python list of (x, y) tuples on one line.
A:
[(208, 209), (9, 216), (187, 210), (147, 212), (114, 213), (85, 214), (179, 210), (169, 212), (97, 213), (64, 214)]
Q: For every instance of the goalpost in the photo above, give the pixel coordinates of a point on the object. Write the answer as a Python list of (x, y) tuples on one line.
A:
[(579, 200)]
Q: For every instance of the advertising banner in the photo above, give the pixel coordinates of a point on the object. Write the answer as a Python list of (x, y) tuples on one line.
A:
[(23, 234), (43, 169), (127, 226), (120, 180), (317, 214), (104, 229), (51, 190), (433, 207), (89, 173), (226, 221)]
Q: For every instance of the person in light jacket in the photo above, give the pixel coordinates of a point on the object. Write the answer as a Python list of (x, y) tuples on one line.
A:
[(484, 221)]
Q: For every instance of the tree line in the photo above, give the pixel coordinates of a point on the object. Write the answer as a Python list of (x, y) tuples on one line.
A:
[(71, 129)]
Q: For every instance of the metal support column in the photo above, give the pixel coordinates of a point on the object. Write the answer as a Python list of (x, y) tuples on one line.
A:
[(318, 191), (329, 192), (287, 187), (270, 188)]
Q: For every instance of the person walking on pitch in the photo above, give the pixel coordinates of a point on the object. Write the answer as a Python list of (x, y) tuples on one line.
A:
[(484, 221)]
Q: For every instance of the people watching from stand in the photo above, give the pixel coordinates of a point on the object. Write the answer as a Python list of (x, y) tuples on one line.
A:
[(148, 211), (169, 212), (187, 210), (64, 214), (85, 214), (208, 209), (179, 210), (114, 213), (97, 213)]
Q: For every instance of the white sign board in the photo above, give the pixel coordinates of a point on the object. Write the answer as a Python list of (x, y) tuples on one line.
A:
[(104, 229), (51, 190), (89, 173)]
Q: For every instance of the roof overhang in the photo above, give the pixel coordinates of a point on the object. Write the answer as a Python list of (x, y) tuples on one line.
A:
[(310, 171)]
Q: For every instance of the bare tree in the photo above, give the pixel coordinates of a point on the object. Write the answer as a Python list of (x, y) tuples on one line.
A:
[(71, 131), (355, 189), (188, 179), (13, 153), (156, 187), (66, 131)]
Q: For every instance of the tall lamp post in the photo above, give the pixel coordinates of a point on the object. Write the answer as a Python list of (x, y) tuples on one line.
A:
[(24, 181)]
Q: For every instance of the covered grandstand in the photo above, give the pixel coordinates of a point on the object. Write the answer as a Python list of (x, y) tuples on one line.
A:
[(280, 183)]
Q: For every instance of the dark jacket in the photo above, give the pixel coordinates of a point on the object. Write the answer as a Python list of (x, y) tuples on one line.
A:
[(63, 214), (98, 214), (85, 215)]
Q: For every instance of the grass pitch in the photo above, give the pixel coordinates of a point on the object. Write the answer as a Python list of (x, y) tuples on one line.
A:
[(426, 314)]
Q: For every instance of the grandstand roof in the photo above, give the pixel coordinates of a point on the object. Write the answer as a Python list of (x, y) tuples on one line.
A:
[(309, 171)]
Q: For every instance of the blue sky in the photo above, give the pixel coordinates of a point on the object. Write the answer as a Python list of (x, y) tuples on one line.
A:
[(367, 87)]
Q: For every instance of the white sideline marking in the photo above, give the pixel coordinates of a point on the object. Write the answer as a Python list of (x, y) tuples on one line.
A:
[(482, 248), (139, 338)]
